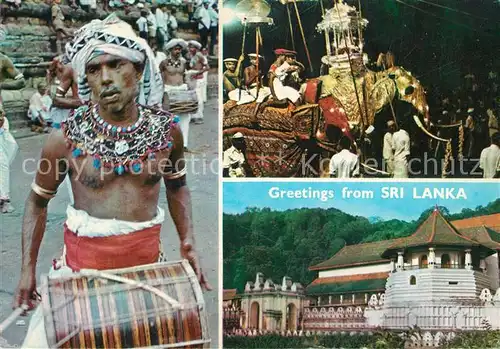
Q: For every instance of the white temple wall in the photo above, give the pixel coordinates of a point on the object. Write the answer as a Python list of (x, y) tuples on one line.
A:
[(443, 285), (492, 271), (367, 269), (374, 317)]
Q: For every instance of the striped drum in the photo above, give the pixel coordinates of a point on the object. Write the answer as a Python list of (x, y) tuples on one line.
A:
[(154, 305)]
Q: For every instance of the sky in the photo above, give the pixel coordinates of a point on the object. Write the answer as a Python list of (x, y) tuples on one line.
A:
[(240, 195)]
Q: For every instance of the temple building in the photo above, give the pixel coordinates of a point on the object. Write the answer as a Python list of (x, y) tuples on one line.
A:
[(266, 306), (442, 278), (437, 278)]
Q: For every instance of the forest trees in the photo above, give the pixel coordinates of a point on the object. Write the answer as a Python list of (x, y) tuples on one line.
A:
[(279, 243)]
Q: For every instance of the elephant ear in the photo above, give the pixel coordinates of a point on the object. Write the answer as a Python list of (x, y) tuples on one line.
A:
[(382, 93)]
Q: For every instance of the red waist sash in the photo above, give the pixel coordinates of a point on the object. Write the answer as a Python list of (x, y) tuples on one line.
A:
[(112, 252)]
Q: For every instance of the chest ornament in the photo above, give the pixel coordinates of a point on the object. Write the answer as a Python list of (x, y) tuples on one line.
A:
[(120, 148)]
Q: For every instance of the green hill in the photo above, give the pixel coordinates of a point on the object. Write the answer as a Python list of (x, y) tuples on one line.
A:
[(280, 243)]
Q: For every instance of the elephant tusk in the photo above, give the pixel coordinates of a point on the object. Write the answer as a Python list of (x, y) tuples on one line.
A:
[(458, 124), (374, 169), (419, 124)]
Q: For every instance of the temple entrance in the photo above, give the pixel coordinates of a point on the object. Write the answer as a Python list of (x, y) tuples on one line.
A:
[(423, 263), (445, 261), (254, 315), (291, 317)]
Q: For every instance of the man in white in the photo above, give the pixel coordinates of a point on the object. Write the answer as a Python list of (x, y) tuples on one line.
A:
[(387, 150), (161, 26), (202, 16), (195, 77), (284, 65), (8, 151), (214, 27), (489, 160), (344, 164), (234, 157), (39, 108), (152, 27), (401, 147)]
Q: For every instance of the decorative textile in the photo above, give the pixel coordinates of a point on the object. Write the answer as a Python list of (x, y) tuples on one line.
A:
[(125, 149), (273, 153), (113, 36), (100, 253), (335, 114), (277, 119)]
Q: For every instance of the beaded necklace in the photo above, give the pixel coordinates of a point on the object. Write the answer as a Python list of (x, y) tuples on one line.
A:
[(123, 148), (176, 63)]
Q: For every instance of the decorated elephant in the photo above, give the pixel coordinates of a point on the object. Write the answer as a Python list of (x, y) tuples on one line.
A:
[(286, 143)]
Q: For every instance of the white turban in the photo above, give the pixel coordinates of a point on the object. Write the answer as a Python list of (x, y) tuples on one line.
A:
[(114, 36)]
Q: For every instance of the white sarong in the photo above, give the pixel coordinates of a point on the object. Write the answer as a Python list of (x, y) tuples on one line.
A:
[(184, 119), (81, 223), (8, 151), (248, 96)]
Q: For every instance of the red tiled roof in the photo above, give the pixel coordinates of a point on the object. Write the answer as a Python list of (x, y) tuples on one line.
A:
[(349, 278), (491, 221), (228, 295), (352, 255), (468, 232), (435, 230), (348, 284)]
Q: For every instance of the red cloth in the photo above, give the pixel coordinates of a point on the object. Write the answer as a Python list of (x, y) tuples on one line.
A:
[(112, 252), (334, 115)]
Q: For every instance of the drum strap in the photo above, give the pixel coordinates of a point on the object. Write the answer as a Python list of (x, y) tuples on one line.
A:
[(101, 253)]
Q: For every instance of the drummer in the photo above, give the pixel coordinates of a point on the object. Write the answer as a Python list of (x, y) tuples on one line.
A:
[(173, 71), (115, 221), (252, 83), (197, 65)]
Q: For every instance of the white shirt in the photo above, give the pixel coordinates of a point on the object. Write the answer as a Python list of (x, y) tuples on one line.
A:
[(234, 156), (401, 145), (387, 151), (344, 164), (161, 19), (151, 18), (172, 22), (204, 18), (142, 24), (490, 161), (214, 17)]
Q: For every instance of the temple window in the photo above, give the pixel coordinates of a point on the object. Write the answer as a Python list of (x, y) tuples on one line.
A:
[(445, 261), (413, 280), (423, 263)]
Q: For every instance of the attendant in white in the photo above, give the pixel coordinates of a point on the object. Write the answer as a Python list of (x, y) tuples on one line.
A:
[(387, 150), (172, 22), (142, 25), (202, 16), (490, 158), (284, 65), (39, 107), (197, 65), (344, 164), (161, 26), (152, 27), (401, 147), (214, 27), (8, 151), (234, 157)]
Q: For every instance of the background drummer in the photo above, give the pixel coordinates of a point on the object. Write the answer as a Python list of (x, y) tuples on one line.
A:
[(173, 69)]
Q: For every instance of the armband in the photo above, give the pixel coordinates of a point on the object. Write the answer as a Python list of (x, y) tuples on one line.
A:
[(176, 175), (44, 193), (19, 76)]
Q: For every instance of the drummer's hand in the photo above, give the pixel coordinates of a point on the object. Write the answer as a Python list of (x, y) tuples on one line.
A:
[(188, 252), (26, 291)]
